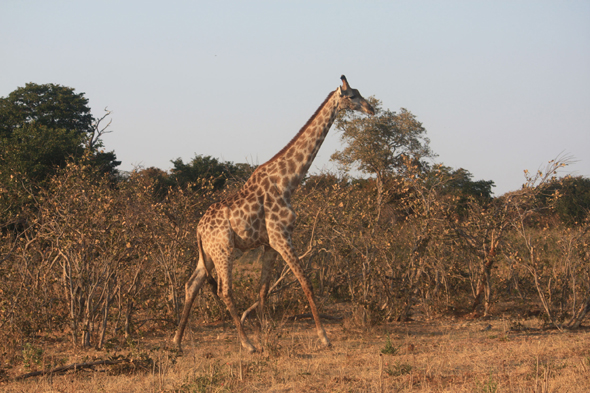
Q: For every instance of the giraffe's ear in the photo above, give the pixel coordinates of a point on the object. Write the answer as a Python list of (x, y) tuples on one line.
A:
[(345, 84), (339, 91)]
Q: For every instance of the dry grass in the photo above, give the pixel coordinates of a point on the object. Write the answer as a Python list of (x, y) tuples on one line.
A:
[(440, 356)]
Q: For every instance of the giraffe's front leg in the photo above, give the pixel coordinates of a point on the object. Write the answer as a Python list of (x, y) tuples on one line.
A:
[(282, 243)]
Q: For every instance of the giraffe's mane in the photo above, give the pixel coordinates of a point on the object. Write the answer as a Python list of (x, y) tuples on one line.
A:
[(284, 149)]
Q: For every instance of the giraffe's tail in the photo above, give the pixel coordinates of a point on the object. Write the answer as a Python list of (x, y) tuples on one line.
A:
[(210, 279)]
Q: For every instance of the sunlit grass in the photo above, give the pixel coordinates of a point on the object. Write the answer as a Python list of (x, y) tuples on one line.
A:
[(446, 356)]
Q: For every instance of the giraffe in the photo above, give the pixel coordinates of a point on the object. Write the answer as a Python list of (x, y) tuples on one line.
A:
[(260, 214)]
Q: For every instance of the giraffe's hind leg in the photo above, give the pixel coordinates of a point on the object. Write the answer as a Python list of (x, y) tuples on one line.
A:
[(223, 265), (192, 286), (221, 253), (268, 260)]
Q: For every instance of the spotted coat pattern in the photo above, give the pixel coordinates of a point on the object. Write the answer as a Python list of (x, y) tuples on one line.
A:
[(260, 214)]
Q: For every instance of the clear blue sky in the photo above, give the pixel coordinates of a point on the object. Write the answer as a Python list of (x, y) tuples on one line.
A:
[(501, 86)]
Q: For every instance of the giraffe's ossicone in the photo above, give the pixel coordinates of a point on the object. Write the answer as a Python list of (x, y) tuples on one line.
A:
[(260, 214)]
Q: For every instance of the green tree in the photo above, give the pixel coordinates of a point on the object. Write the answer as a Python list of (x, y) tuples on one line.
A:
[(460, 185), (34, 150), (53, 106), (381, 144), (207, 167), (42, 127), (572, 198)]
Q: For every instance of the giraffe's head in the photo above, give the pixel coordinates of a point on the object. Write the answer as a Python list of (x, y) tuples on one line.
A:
[(351, 99)]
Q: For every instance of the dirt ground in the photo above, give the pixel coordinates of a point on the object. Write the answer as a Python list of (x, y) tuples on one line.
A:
[(494, 355)]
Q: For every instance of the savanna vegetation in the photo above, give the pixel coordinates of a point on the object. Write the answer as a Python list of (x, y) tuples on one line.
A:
[(94, 260)]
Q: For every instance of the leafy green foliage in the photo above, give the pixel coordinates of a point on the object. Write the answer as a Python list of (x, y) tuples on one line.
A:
[(398, 369), (49, 105), (389, 348), (572, 198), (489, 385), (28, 157), (42, 128), (32, 356), (35, 151), (461, 182), (378, 144), (206, 167), (382, 145)]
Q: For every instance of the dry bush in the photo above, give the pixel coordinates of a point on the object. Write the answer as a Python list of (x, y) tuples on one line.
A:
[(91, 255), (556, 262), (383, 261), (105, 263)]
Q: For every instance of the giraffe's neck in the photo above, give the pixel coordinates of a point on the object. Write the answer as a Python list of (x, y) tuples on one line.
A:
[(288, 167)]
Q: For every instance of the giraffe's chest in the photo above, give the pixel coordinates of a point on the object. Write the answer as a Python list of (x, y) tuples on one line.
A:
[(247, 223)]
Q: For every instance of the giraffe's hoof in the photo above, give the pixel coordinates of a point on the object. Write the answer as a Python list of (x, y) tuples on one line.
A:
[(325, 342), (177, 346), (249, 347)]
